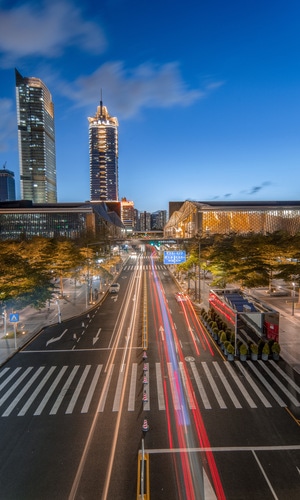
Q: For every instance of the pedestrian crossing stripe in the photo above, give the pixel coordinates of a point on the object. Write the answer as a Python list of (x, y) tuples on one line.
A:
[(70, 389), (144, 267)]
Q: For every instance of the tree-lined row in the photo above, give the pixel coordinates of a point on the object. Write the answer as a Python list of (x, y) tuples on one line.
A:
[(251, 260), (31, 271)]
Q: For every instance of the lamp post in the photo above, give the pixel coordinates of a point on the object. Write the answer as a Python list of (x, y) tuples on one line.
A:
[(89, 290), (198, 236), (58, 310), (235, 333), (199, 284), (293, 298), (4, 315)]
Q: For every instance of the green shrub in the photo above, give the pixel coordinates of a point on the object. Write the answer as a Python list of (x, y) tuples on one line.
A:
[(223, 336), (230, 348), (243, 349), (226, 344), (254, 348), (275, 348), (266, 348), (215, 331)]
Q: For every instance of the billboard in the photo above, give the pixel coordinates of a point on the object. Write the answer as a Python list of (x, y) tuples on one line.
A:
[(174, 257)]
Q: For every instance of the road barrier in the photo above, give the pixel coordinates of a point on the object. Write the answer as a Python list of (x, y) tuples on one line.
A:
[(143, 476), (145, 319)]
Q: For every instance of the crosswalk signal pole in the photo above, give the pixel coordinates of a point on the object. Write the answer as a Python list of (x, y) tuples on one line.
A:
[(15, 334), (4, 314)]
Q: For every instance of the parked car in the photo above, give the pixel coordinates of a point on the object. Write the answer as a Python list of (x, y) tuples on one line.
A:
[(114, 288), (180, 297)]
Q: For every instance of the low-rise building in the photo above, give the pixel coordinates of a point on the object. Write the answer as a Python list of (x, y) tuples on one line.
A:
[(24, 219)]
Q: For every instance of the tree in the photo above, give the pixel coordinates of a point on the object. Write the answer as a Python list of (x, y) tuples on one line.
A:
[(289, 266), (65, 258), (222, 259), (21, 283)]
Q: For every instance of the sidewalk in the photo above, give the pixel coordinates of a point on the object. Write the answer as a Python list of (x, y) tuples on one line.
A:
[(73, 303), (289, 321), (289, 327)]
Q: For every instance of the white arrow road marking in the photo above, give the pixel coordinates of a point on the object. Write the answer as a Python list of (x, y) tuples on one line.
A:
[(162, 333), (97, 337), (55, 339)]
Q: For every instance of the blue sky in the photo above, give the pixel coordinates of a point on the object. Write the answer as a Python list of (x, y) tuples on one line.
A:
[(206, 93)]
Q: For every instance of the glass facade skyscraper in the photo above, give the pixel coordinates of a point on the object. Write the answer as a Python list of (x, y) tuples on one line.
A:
[(36, 138), (103, 146), (7, 185)]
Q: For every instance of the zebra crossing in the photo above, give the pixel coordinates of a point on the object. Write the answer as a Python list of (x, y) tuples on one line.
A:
[(79, 389), (144, 267)]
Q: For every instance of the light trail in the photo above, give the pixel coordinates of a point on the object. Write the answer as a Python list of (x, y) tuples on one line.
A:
[(133, 290), (189, 427), (197, 326)]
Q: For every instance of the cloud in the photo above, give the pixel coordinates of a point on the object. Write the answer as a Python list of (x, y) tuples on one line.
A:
[(256, 189), (8, 123), (130, 90), (251, 191), (35, 30)]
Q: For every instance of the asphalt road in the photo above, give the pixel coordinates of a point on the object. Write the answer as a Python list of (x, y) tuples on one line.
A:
[(72, 406)]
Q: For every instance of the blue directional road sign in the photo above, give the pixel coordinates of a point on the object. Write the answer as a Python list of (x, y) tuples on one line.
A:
[(14, 317), (174, 257)]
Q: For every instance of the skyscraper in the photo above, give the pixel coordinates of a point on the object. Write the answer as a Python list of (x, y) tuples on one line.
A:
[(7, 185), (35, 115), (158, 219), (103, 144)]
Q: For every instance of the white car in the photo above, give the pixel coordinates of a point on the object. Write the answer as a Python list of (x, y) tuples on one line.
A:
[(180, 297), (114, 288)]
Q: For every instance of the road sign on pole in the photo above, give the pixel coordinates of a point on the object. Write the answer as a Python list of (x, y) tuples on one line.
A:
[(174, 257), (14, 317)]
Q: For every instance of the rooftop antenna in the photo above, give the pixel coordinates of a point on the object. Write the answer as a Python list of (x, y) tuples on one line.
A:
[(4, 165)]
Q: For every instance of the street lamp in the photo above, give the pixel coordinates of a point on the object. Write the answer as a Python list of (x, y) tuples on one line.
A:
[(89, 291), (58, 310), (199, 283), (4, 315), (198, 236), (293, 298)]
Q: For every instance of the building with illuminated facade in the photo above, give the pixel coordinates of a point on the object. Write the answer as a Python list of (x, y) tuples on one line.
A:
[(7, 185), (190, 218), (128, 214), (103, 149), (36, 139), (24, 219)]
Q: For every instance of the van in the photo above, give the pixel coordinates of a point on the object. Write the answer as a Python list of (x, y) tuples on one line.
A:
[(114, 288)]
